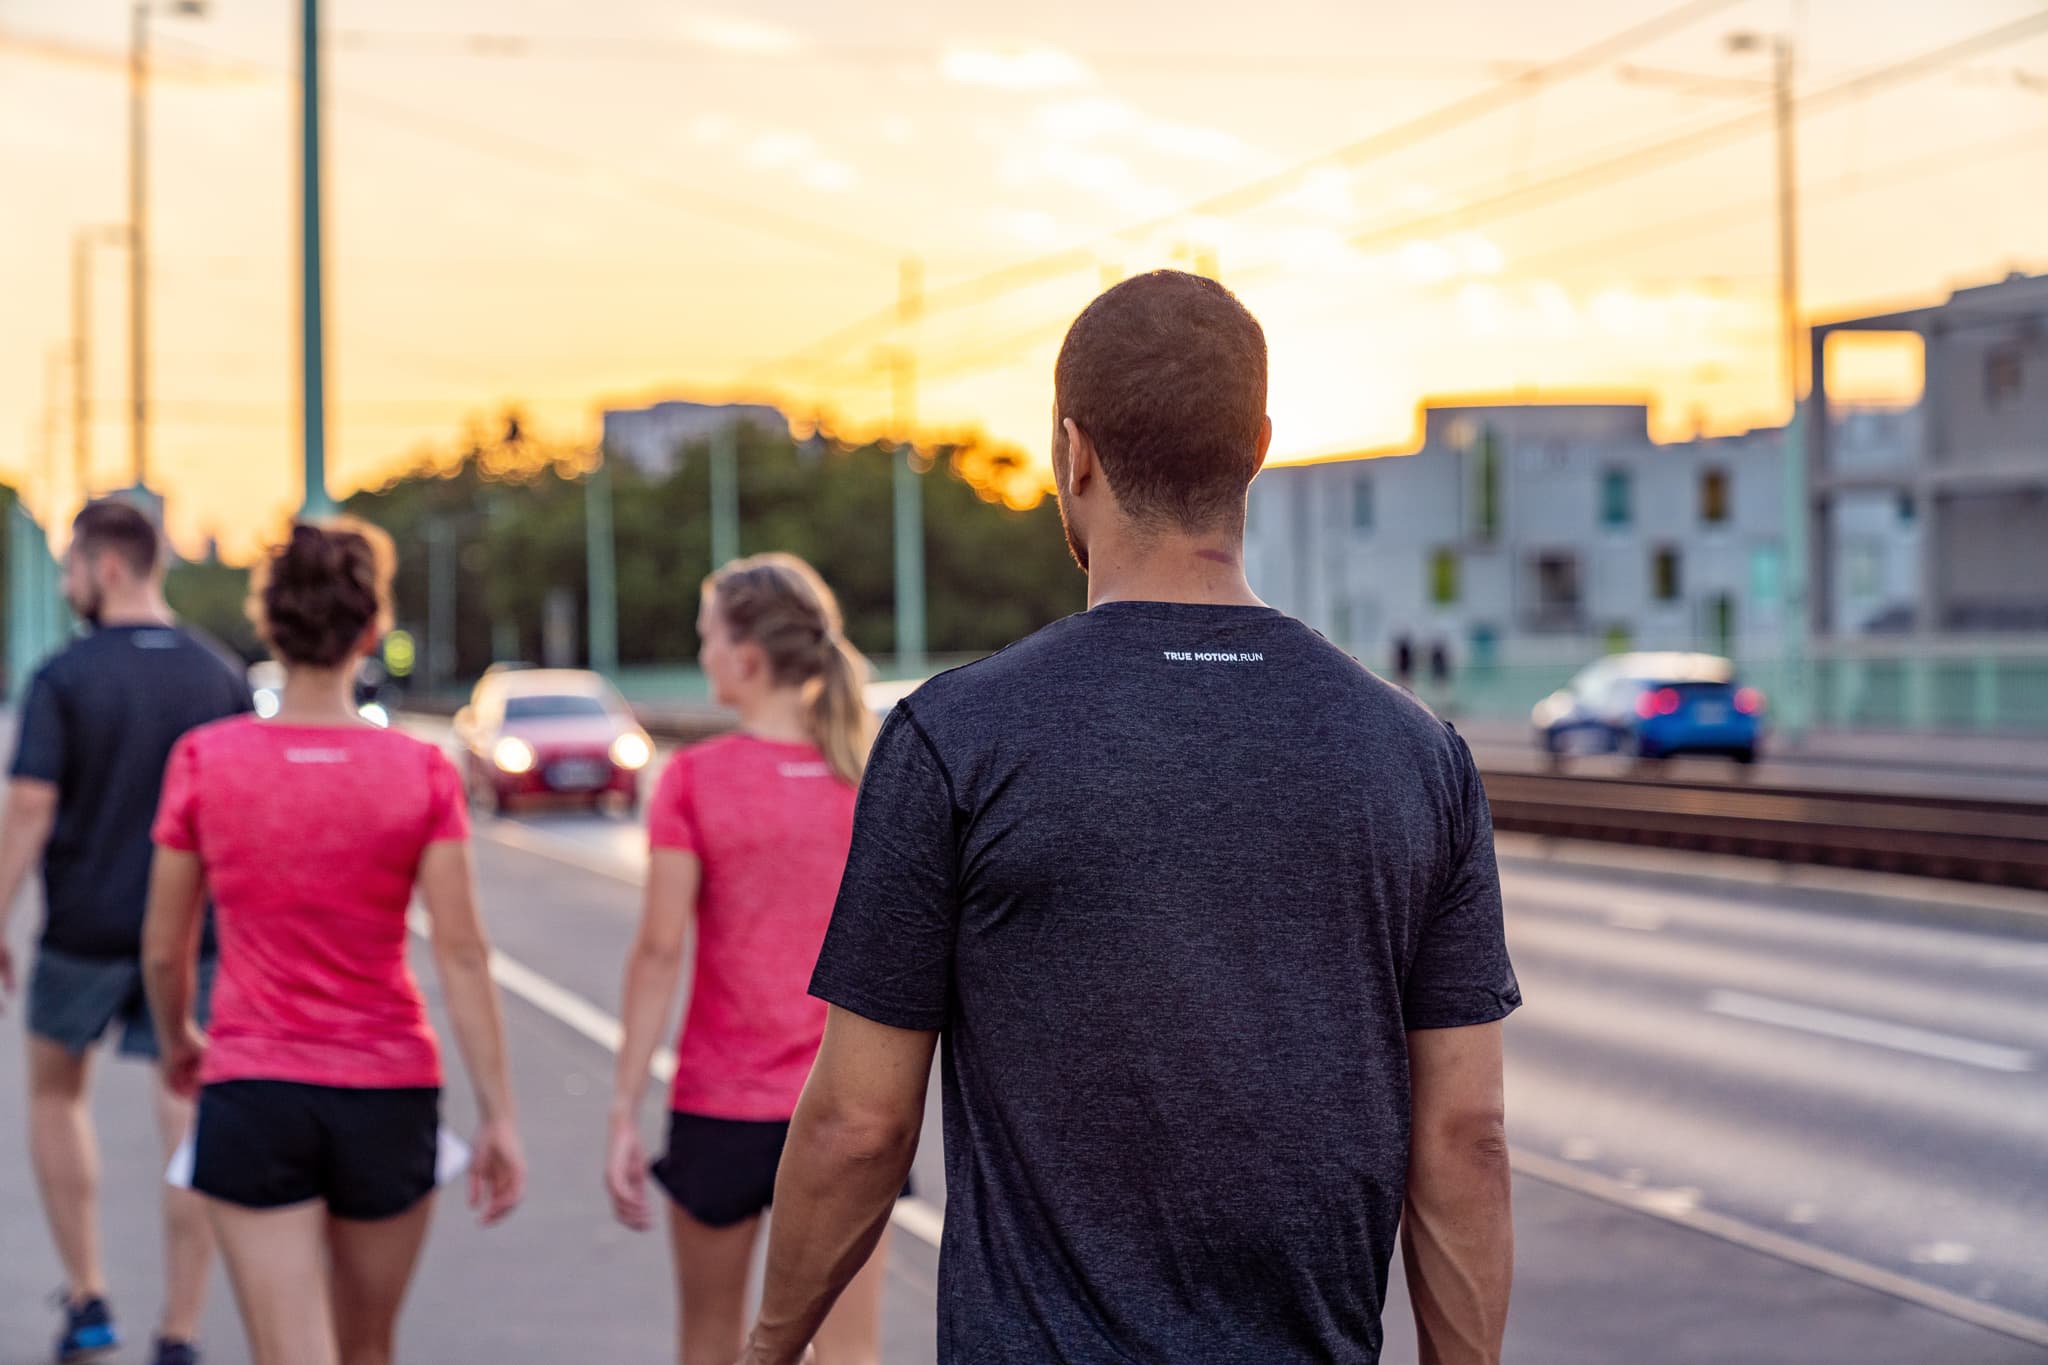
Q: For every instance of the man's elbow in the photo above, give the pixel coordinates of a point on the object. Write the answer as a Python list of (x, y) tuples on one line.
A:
[(856, 1139), (1473, 1142)]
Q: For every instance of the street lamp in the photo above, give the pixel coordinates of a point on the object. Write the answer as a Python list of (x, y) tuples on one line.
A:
[(1793, 702), (138, 222)]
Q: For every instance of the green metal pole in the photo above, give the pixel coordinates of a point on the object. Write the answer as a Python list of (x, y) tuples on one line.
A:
[(909, 519), (601, 553), (313, 363), (725, 496), (1794, 703)]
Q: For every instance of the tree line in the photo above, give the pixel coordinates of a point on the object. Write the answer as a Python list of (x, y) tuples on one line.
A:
[(505, 516)]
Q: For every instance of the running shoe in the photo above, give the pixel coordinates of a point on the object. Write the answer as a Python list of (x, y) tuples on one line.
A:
[(88, 1331), (176, 1352)]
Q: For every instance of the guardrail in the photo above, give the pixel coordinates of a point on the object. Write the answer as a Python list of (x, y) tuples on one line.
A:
[(2000, 842)]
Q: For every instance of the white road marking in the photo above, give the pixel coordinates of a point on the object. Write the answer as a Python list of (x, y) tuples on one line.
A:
[(1642, 921), (1763, 1240), (1876, 1032), (1942, 1253), (916, 1217), (1580, 1149), (1803, 1214)]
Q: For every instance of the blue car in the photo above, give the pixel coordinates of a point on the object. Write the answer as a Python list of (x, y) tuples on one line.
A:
[(1652, 706)]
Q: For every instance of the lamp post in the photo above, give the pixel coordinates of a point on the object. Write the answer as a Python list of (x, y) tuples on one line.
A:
[(1794, 701), (138, 226), (82, 243), (312, 323)]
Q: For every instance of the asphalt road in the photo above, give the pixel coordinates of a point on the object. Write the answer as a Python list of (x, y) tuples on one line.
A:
[(1861, 1093)]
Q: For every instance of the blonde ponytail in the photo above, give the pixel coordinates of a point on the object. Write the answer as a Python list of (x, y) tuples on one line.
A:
[(779, 602)]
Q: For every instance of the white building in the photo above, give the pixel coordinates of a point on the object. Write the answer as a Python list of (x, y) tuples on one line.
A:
[(1971, 471), (652, 438), (1546, 533)]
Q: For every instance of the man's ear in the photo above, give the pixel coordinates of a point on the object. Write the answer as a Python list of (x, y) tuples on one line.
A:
[(1082, 465), (1265, 444)]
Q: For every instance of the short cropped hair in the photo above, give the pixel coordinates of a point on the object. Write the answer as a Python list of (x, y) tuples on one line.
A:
[(1166, 373), (314, 596), (110, 526)]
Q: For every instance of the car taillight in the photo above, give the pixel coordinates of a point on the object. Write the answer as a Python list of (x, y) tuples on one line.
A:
[(1749, 701), (1663, 702)]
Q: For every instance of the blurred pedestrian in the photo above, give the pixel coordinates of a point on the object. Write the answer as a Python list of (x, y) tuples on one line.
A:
[(1404, 662), (749, 835), (1440, 677), (1208, 917), (96, 729), (319, 1080)]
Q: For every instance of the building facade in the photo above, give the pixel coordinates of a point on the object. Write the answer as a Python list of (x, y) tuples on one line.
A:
[(1544, 533), (652, 438), (1971, 472)]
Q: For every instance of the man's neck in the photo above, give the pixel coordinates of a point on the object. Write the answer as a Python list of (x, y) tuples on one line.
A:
[(142, 609), (1204, 570)]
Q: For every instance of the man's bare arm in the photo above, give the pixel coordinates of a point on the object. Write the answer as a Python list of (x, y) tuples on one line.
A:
[(1457, 1239), (30, 816), (849, 1151)]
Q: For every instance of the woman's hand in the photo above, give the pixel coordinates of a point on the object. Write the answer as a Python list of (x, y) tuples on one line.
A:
[(183, 1055), (497, 1171), (625, 1172)]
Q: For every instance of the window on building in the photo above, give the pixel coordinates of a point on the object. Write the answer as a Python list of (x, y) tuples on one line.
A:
[(1554, 575), (1666, 580), (1721, 623), (1714, 496), (1766, 575), (1361, 503), (1615, 509), (1486, 493), (1909, 509), (1485, 649), (2005, 375), (1443, 577)]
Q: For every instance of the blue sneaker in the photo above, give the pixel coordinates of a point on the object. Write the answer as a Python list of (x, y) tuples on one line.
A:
[(175, 1352), (88, 1332)]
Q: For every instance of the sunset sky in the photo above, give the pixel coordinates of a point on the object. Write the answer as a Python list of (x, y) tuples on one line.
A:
[(617, 200)]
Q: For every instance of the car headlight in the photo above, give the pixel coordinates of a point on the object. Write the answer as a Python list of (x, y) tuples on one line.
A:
[(632, 751), (513, 755), (266, 703), (375, 714)]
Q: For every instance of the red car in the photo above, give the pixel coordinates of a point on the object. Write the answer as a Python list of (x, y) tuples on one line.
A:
[(551, 732)]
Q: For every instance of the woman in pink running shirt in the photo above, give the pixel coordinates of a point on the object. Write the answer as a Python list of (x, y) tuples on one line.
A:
[(749, 834), (319, 1076)]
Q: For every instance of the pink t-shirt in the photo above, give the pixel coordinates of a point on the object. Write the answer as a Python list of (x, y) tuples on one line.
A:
[(311, 838), (770, 824)]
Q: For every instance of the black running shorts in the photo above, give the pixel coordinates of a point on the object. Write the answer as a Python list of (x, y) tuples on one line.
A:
[(367, 1154), (722, 1171)]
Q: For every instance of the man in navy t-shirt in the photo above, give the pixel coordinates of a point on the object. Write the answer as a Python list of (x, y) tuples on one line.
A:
[(97, 726), (1207, 919)]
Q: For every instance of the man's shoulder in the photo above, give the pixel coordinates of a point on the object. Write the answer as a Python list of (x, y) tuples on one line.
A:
[(994, 680)]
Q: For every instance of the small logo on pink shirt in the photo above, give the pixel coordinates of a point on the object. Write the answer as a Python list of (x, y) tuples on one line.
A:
[(804, 769), (316, 755)]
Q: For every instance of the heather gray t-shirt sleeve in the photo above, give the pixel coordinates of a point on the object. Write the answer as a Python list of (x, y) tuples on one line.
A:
[(888, 955), (1460, 974)]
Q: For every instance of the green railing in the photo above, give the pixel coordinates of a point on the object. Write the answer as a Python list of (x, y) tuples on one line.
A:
[(37, 620), (1981, 686)]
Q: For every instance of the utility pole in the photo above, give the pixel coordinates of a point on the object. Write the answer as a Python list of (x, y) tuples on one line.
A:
[(138, 241), (909, 490), (601, 612), (312, 324), (725, 495), (1794, 702), (83, 240), (441, 602)]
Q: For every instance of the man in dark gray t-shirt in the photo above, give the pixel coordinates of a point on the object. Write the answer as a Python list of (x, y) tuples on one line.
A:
[(1207, 918)]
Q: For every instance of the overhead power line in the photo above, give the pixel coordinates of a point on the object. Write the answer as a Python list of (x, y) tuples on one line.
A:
[(1656, 155), (1457, 113)]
